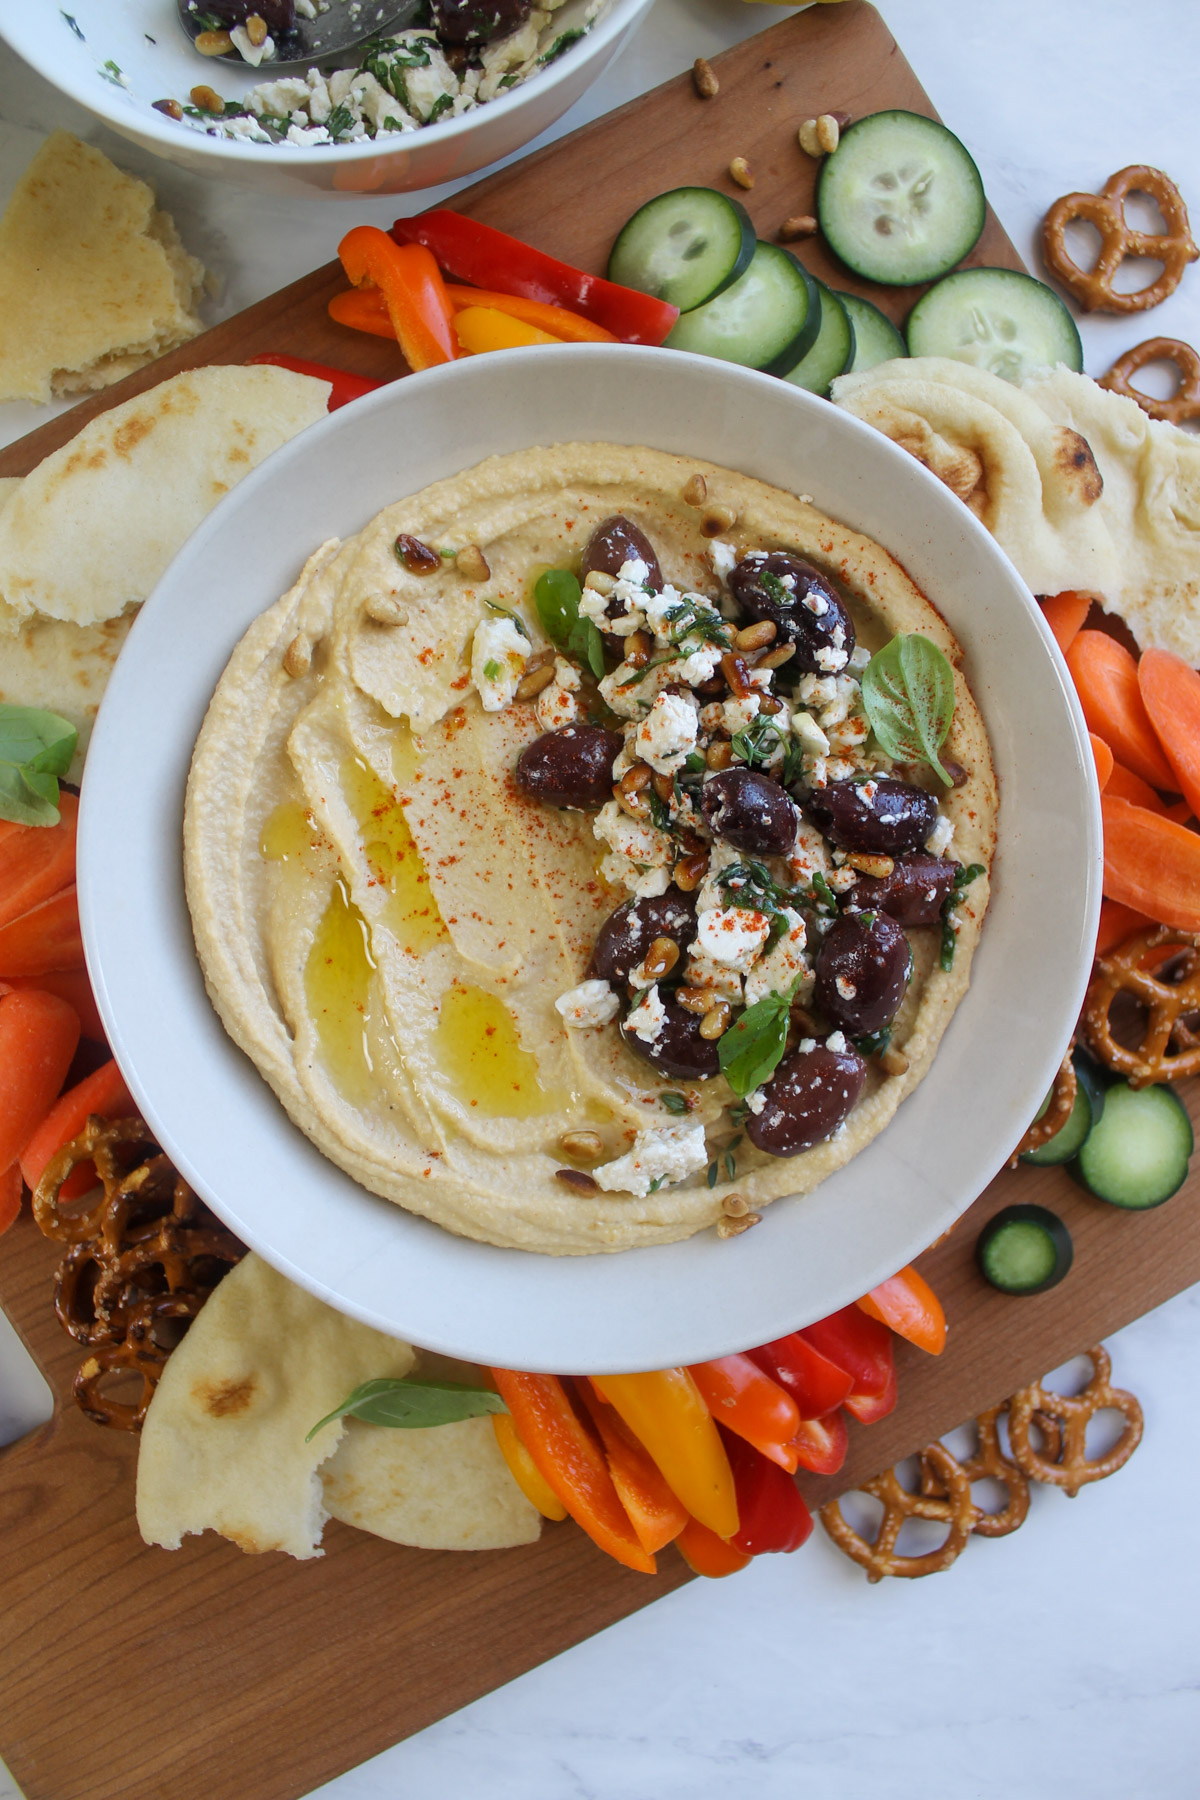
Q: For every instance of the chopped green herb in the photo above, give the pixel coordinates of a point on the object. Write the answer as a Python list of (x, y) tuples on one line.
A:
[(674, 1103), (73, 22), (443, 104), (714, 1169), (694, 763), (491, 668), (758, 742), (508, 81), (874, 1042), (657, 1183), (821, 894), (339, 122), (35, 749), (752, 1048), (505, 612), (410, 1404), (962, 879), (908, 696), (113, 72), (562, 42)]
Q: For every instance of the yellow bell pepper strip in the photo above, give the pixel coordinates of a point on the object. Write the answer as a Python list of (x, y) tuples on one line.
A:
[(524, 1470), (910, 1307), (746, 1401), (665, 1412), (411, 283), (571, 1462), (570, 327), (707, 1554), (482, 328), (654, 1512), (363, 309)]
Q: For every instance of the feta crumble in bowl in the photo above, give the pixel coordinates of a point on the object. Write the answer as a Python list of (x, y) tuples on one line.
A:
[(700, 1296), (409, 120)]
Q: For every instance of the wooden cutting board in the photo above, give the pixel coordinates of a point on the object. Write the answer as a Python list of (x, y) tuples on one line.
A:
[(209, 1673)]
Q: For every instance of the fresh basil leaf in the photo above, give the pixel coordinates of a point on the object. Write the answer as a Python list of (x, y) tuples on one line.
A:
[(908, 696), (751, 1050), (586, 643), (35, 749), (410, 1404), (556, 596)]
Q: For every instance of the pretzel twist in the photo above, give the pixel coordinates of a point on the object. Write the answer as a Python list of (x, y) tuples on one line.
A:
[(952, 1507), (1184, 403), (1062, 1101), (988, 1463), (1174, 247), (1075, 1413), (1170, 1046)]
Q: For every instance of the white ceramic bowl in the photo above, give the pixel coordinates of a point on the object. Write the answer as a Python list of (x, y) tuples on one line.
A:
[(146, 43), (641, 1308)]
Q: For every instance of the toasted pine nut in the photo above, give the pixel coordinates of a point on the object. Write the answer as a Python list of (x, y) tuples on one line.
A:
[(695, 491), (256, 29), (741, 172), (893, 1062), (715, 1022), (756, 636), (385, 609), (206, 98), (636, 806), (704, 79), (775, 659), (172, 108), (664, 786), (736, 672), (599, 581), (869, 862), (577, 1179), (212, 43), (533, 681), (297, 658), (769, 704), (717, 520), (690, 872), (693, 1000), (660, 958), (728, 1228), (829, 133), (637, 778), (719, 755), (472, 563), (800, 225), (637, 649), (807, 136), (735, 1206), (582, 1146)]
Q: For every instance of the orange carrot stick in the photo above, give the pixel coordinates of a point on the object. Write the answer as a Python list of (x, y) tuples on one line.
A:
[(1104, 759), (102, 1093), (1151, 864), (1106, 679), (1123, 784), (1170, 691), (37, 860), (1117, 923), (73, 986), (908, 1306), (10, 1196), (1064, 614), (44, 939), (38, 1037)]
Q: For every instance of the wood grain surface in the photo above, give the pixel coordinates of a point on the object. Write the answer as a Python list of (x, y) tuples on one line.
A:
[(206, 1673)]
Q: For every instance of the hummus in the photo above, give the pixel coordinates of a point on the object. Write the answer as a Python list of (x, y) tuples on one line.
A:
[(386, 922)]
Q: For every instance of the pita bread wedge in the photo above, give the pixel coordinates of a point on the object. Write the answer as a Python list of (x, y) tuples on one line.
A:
[(94, 281), (63, 668)]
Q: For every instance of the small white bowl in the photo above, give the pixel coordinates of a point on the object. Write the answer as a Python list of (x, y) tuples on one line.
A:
[(220, 1122), (143, 39)]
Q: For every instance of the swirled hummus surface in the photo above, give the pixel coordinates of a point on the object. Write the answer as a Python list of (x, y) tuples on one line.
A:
[(385, 920)]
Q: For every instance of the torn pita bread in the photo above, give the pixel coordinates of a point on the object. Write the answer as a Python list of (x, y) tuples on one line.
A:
[(62, 668), (94, 282)]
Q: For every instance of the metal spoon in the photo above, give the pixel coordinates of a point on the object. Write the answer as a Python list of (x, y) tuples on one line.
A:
[(342, 26)]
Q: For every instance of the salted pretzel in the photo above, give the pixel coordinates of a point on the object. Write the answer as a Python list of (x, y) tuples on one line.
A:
[(1184, 403), (1073, 1469), (988, 1463), (1062, 1100), (1170, 1046), (1174, 248), (952, 1507)]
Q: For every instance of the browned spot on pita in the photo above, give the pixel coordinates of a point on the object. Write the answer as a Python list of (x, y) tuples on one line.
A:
[(1074, 458), (131, 433), (225, 1398)]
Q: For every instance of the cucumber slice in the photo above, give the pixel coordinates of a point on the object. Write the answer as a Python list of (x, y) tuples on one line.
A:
[(1089, 1104), (1137, 1156), (876, 339), (685, 247), (769, 316), (832, 351), (900, 200), (1024, 1250), (995, 319)]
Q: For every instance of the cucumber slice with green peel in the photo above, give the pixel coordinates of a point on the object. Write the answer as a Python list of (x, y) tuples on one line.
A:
[(1086, 1112), (685, 247), (1137, 1155), (832, 351), (1024, 1250), (900, 200), (767, 318), (876, 339), (995, 319)]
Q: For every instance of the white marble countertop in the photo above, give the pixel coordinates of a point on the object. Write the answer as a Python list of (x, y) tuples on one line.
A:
[(1059, 1662)]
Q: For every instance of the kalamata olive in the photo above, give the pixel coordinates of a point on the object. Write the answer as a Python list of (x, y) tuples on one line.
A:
[(616, 541), (571, 767), (476, 21), (882, 814), (913, 894), (627, 934), (277, 15), (750, 811), (807, 1098), (862, 972), (678, 1049), (800, 603)]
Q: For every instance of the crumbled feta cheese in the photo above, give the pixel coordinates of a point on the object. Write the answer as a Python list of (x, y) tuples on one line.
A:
[(737, 714), (591, 1004), (426, 85), (845, 987), (808, 735), (700, 666), (775, 972), (667, 1154), (842, 880), (836, 1041), (860, 656), (249, 51), (499, 653), (732, 935), (647, 1019), (638, 850), (850, 735), (668, 732), (831, 659), (556, 705), (712, 893), (279, 97), (939, 839), (756, 1102), (723, 557), (808, 856), (713, 978), (806, 1046), (505, 55)]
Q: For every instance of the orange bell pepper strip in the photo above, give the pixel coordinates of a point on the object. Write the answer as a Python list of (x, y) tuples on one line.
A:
[(571, 1462), (363, 309), (570, 327), (707, 1554), (666, 1413), (524, 1470), (909, 1306), (482, 328), (411, 283), (747, 1402), (654, 1512)]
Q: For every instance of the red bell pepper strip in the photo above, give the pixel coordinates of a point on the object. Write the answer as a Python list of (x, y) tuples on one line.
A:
[(744, 1400), (816, 1385), (362, 309), (571, 1462), (102, 1094), (707, 1554), (909, 1307), (654, 1512), (343, 387), (772, 1515), (867, 1408), (409, 280), (821, 1444), (861, 1346), (488, 258)]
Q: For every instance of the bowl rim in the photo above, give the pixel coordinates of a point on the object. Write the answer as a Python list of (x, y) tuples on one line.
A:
[(446, 1329)]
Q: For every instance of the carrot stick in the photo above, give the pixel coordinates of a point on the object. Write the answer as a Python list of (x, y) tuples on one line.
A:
[(1123, 784), (1105, 761), (1170, 691), (1064, 614), (1151, 864), (73, 986), (1106, 679), (37, 860), (1117, 923), (38, 1037), (10, 1196), (102, 1093), (44, 939)]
